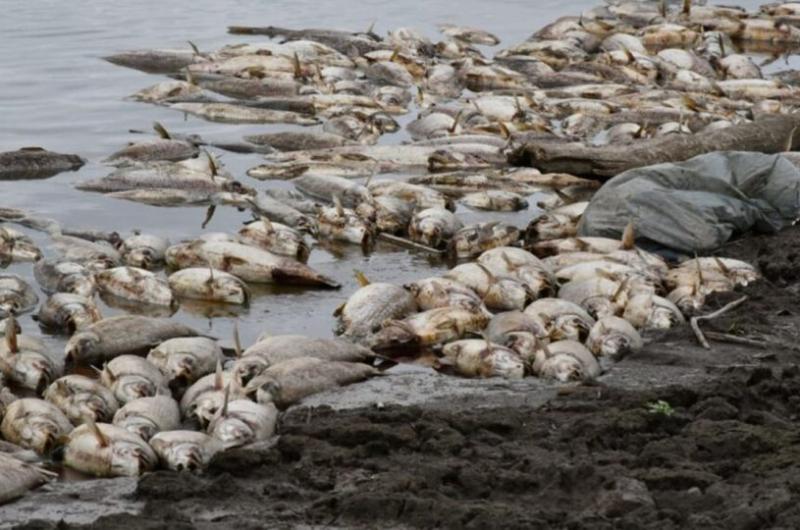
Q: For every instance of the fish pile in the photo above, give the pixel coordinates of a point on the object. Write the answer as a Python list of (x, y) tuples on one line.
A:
[(516, 301)]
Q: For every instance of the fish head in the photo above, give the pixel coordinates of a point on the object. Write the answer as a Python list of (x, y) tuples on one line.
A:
[(562, 368), (661, 318), (395, 335), (131, 459), (143, 427), (232, 431), (95, 407), (130, 387), (430, 233), (142, 257), (384, 122), (247, 368), (82, 346), (507, 364), (182, 367), (78, 284), (186, 457), (268, 391), (206, 407), (33, 371), (39, 433)]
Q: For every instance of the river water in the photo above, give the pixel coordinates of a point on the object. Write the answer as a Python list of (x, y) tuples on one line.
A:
[(56, 92)]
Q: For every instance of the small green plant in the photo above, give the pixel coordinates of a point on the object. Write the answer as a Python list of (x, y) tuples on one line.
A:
[(660, 407)]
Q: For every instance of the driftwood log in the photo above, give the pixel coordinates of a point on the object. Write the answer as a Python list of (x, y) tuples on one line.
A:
[(769, 134)]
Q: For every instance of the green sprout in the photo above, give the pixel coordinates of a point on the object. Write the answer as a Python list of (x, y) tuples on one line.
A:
[(660, 407)]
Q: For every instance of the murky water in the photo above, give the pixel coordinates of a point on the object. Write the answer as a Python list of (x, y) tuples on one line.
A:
[(56, 92)]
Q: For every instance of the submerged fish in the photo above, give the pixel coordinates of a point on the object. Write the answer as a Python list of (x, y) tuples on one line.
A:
[(35, 162)]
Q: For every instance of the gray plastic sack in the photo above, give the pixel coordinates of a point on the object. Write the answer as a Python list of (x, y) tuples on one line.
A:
[(698, 204)]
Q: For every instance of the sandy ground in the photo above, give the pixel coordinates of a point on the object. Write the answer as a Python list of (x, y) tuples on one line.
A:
[(416, 449)]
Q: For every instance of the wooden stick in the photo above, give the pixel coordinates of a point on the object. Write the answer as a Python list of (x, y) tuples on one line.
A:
[(694, 322), (735, 339), (407, 243)]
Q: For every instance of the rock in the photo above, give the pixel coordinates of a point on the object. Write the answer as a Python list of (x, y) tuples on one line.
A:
[(627, 495)]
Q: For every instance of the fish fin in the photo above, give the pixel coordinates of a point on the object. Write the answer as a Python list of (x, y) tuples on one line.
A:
[(621, 289), (489, 274), (504, 130), (722, 267), (699, 269), (237, 342), (102, 439), (210, 280), (161, 131), (362, 279), (662, 8), (11, 334), (628, 236), (687, 7), (194, 47), (218, 376), (105, 369), (395, 54), (212, 165), (298, 70), (581, 244), (190, 78), (339, 309), (456, 119), (5, 366), (337, 203), (224, 411), (209, 214), (228, 261), (509, 263), (267, 223), (790, 140)]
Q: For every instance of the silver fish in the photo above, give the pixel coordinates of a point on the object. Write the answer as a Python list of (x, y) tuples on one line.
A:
[(34, 424), (366, 309), (64, 277), (135, 285), (429, 328), (131, 377), (16, 295), (119, 335), (144, 251), (148, 416), (185, 450), (434, 227), (209, 285), (67, 312), (186, 359), (241, 422), (105, 450), (481, 358), (79, 398)]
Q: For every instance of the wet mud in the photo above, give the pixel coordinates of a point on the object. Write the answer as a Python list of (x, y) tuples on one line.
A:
[(675, 436)]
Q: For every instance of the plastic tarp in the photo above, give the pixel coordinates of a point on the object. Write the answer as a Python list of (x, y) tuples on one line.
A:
[(699, 204)]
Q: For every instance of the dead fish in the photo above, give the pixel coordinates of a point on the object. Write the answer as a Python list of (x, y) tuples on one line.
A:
[(19, 477), (276, 238), (495, 200), (131, 377), (68, 313), (148, 416), (98, 255), (79, 398), (248, 263), (290, 381), (166, 149), (241, 422), (186, 359), (144, 251), (387, 214), (135, 285), (298, 141), (25, 364), (16, 246), (429, 328), (34, 424), (550, 225), (326, 187), (180, 450), (564, 319), (343, 224), (16, 295), (499, 293), (566, 360), (521, 265), (36, 163), (431, 293), (434, 227), (481, 358), (171, 91), (278, 211), (613, 337), (294, 199), (472, 240), (209, 285), (155, 61), (373, 303), (508, 322), (105, 450), (205, 398), (230, 113), (119, 335), (422, 196), (275, 349)]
